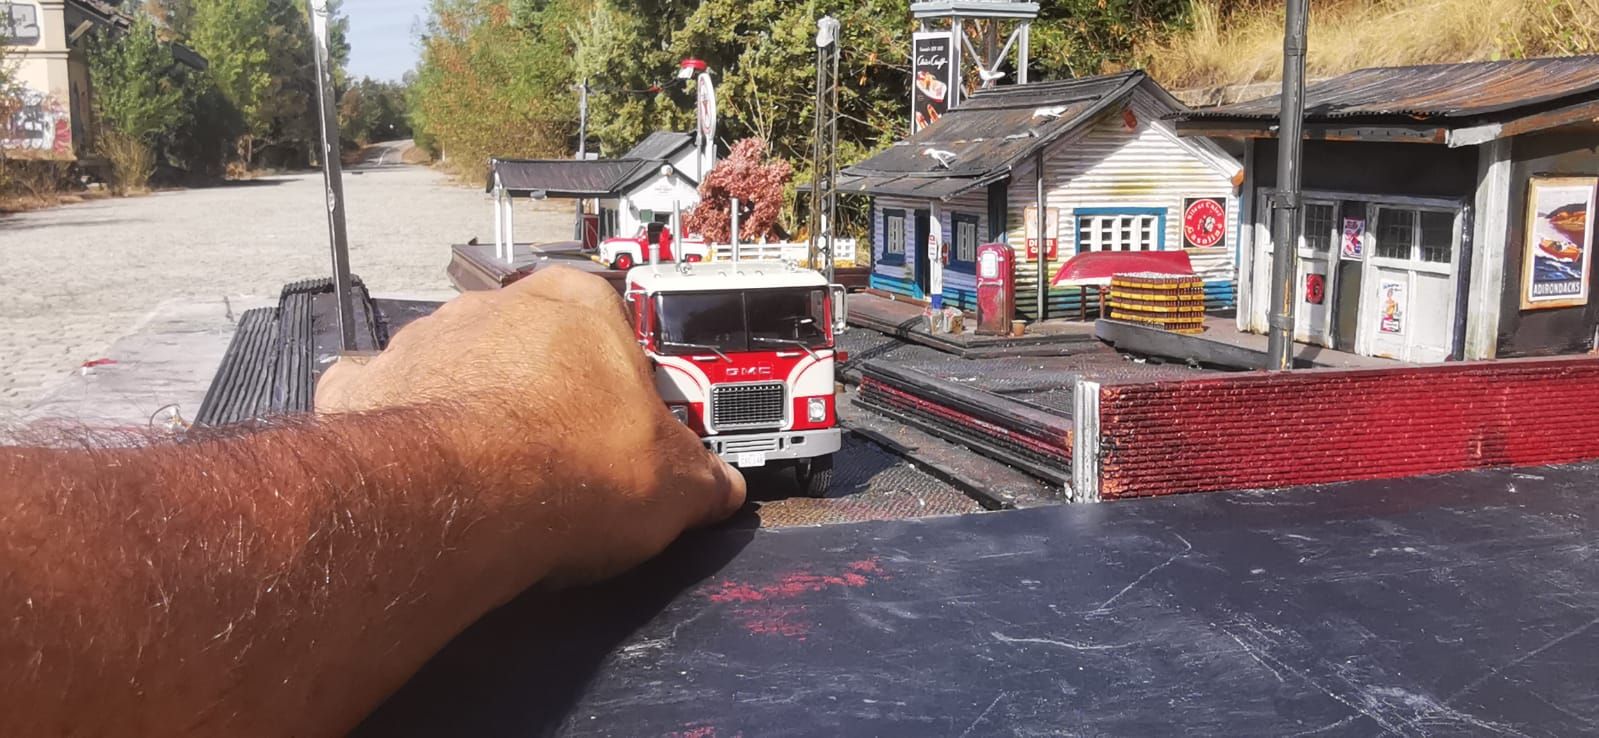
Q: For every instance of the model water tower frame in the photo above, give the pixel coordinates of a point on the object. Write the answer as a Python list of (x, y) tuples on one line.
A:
[(988, 21)]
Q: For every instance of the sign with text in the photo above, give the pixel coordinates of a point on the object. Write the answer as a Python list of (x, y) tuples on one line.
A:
[(932, 77), (1354, 239), (1051, 228), (1555, 257), (1393, 307), (1204, 222)]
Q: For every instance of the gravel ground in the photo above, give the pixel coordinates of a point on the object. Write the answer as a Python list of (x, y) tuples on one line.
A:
[(75, 279)]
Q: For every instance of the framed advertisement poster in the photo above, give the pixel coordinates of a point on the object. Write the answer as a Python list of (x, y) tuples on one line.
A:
[(1353, 243), (1204, 222), (932, 77), (1393, 305), (1556, 253)]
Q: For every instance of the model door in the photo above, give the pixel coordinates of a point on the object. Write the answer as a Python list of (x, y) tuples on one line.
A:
[(923, 267), (1315, 278), (1407, 307)]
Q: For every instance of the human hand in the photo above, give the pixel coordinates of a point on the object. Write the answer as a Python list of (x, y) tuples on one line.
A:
[(549, 402)]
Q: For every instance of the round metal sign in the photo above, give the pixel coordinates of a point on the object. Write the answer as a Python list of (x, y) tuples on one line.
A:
[(1204, 222)]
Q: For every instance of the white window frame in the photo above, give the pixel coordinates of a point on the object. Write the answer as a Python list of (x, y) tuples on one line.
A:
[(1104, 232), (891, 243), (966, 240)]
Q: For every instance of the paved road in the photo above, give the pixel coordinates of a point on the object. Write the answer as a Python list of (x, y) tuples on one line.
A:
[(75, 279)]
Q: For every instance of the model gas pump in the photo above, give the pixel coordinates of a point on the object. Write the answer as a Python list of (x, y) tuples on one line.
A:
[(996, 288)]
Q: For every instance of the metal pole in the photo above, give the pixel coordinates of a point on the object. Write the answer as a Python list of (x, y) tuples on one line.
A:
[(817, 196), (831, 224), (1286, 214), (332, 176), (1043, 229), (1022, 51), (582, 145), (734, 232)]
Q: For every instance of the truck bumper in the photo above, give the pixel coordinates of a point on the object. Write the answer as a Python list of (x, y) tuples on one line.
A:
[(743, 449)]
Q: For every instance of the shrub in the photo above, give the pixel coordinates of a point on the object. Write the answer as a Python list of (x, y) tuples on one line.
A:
[(132, 162)]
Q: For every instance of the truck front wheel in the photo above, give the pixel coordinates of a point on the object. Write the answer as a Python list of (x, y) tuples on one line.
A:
[(623, 262), (814, 475)]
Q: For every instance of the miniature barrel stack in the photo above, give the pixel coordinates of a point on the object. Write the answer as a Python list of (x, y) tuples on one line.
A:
[(1171, 302)]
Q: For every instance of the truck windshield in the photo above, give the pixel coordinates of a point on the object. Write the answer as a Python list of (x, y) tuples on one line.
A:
[(752, 320)]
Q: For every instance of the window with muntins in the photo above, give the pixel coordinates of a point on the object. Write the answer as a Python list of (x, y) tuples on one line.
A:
[(1415, 235), (894, 232), (1319, 227), (965, 239), (1118, 232)]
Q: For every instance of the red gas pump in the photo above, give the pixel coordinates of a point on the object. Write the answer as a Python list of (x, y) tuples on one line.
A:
[(996, 288)]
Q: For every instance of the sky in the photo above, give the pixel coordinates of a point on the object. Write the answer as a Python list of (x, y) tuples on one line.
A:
[(382, 45)]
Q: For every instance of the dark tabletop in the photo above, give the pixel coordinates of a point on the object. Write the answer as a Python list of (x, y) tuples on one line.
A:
[(1456, 605)]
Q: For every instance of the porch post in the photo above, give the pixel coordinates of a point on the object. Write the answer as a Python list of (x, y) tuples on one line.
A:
[(1043, 241), (499, 222), (1488, 244)]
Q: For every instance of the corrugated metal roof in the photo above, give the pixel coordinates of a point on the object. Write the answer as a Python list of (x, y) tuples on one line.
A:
[(660, 145), (1432, 91), (565, 177), (978, 142)]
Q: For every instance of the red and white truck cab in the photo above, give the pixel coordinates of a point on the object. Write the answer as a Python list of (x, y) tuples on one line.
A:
[(744, 354)]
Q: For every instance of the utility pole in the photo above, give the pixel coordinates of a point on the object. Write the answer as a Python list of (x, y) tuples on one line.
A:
[(824, 152), (1287, 205), (582, 143), (333, 176)]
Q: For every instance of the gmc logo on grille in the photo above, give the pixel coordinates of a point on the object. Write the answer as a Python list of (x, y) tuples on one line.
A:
[(763, 370)]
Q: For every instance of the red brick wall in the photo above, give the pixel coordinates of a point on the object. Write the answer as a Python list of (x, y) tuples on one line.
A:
[(1275, 430)]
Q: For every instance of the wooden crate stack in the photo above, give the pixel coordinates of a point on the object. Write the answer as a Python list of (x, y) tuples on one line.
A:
[(1169, 302)]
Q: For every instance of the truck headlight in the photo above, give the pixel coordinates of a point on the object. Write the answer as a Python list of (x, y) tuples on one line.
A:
[(680, 412), (816, 409)]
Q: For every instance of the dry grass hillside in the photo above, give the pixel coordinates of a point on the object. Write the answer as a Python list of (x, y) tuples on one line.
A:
[(1235, 42)]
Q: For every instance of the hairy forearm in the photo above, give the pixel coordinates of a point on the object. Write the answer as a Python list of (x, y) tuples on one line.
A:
[(279, 582)]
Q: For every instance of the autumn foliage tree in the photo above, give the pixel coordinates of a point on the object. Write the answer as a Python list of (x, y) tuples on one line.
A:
[(757, 180)]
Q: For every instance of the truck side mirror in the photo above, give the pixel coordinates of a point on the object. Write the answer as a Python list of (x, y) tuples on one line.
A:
[(840, 307)]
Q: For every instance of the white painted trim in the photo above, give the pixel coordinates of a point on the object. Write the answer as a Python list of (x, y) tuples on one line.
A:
[(1243, 278), (1200, 148), (1085, 442), (1489, 236)]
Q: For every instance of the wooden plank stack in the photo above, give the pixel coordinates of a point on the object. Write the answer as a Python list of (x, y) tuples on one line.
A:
[(1171, 302)]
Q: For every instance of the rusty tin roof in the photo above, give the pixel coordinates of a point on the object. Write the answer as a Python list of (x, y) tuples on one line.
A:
[(1430, 92), (987, 134)]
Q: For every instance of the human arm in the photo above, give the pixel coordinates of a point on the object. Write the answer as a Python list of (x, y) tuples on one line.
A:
[(282, 582)]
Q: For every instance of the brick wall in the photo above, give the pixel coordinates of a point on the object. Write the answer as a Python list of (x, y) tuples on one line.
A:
[(1274, 430)]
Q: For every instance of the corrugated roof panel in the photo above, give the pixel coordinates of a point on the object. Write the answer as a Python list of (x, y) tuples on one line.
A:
[(660, 145), (565, 177), (1431, 91)]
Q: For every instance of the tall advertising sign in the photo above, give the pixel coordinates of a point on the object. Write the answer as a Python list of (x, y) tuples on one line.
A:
[(705, 111), (932, 77)]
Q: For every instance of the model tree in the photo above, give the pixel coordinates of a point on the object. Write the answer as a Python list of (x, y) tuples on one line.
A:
[(757, 180)]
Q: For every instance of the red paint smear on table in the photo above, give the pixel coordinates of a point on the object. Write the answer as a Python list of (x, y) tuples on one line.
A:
[(760, 610)]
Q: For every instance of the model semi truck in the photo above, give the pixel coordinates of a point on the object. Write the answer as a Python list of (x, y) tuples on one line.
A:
[(744, 355)]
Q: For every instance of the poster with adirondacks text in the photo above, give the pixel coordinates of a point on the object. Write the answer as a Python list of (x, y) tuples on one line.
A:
[(1557, 253)]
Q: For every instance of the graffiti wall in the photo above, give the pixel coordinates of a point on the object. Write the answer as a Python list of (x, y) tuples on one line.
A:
[(37, 124)]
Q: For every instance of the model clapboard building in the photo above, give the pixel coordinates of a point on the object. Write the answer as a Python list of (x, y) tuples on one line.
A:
[(1110, 171), (1448, 209)]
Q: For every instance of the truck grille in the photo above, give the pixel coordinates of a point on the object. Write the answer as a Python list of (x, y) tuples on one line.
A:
[(747, 405)]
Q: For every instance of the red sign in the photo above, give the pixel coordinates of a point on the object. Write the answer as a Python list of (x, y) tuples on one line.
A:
[(1204, 222), (1315, 289)]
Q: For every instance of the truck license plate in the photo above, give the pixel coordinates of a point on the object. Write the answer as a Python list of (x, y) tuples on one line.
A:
[(752, 458)]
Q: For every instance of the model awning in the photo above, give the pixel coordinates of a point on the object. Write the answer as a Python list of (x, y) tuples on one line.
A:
[(941, 188)]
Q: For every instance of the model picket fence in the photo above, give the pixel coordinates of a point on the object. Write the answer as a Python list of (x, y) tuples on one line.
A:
[(797, 252)]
